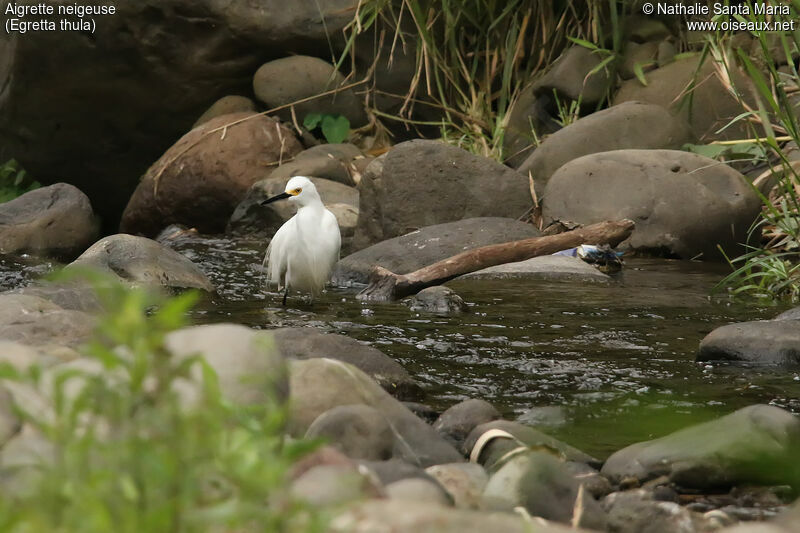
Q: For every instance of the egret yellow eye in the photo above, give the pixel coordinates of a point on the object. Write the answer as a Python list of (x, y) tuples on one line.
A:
[(296, 191)]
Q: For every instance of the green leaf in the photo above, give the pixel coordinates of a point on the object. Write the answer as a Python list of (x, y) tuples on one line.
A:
[(639, 72), (335, 128), (312, 120), (583, 43)]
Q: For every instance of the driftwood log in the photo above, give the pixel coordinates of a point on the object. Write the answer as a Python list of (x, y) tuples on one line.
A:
[(385, 285)]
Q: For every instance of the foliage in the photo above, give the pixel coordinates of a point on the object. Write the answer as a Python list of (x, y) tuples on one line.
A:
[(14, 181), (130, 455), (335, 128)]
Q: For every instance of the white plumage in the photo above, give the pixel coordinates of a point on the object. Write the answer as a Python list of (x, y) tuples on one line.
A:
[(306, 247)]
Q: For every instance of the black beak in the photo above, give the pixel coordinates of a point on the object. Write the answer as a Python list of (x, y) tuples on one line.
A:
[(281, 196)]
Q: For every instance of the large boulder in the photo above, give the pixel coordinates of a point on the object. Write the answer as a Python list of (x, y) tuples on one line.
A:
[(628, 125), (420, 183), (358, 431), (158, 64), (38, 322), (683, 204), (763, 341), (575, 76), (225, 106), (142, 261), (545, 267), (427, 245), (283, 81), (758, 445), (336, 162), (53, 221), (318, 385), (200, 180), (458, 421)]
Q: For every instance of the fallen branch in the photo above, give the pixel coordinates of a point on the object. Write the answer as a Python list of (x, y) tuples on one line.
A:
[(385, 285)]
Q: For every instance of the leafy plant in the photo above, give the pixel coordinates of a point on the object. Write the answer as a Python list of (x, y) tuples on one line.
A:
[(130, 454), (335, 128), (14, 181)]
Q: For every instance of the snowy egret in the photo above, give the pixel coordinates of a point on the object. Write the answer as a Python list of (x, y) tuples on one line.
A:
[(303, 251)]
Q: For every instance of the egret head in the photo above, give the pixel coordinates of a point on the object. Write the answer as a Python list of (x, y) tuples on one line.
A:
[(299, 190)]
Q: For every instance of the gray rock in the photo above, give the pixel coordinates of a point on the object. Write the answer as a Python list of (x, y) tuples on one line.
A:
[(529, 120), (142, 261), (682, 203), (634, 512), (418, 490), (791, 314), (201, 179), (249, 369), (318, 385), (421, 183), (569, 77), (463, 481), (333, 485), (545, 267), (436, 299), (457, 422), (75, 295), (336, 162), (308, 343), (393, 470), (226, 105), (55, 221), (754, 445), (644, 55), (358, 431), (293, 78), (38, 322), (628, 125), (538, 482), (596, 484), (428, 245), (765, 341)]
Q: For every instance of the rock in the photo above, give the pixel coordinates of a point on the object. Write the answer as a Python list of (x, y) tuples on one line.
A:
[(754, 445), (75, 295), (21, 461), (791, 314), (38, 322), (538, 482), (10, 419), (400, 516), (544, 416), (436, 299), (569, 77), (158, 64), (284, 81), (142, 261), (358, 431), (712, 106), (418, 490), (201, 178), (342, 163), (634, 512), (308, 343), (55, 221), (249, 370), (628, 125), (428, 245), (333, 485), (456, 423), (763, 341), (682, 203), (464, 482), (421, 183), (225, 106), (546, 268), (529, 119), (644, 55), (22, 356), (320, 384), (594, 483), (424, 412), (393, 470), (496, 448)]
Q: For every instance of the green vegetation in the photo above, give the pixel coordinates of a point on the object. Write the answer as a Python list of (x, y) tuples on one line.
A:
[(128, 453), (335, 128), (14, 181)]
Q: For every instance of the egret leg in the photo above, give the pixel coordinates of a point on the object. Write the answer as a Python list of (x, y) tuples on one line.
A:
[(285, 294)]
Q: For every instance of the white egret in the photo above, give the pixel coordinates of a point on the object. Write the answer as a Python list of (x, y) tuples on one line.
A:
[(304, 250)]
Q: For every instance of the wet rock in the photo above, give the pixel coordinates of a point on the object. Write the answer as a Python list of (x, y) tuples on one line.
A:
[(436, 299), (538, 482), (333, 485), (358, 431), (544, 415), (712, 105), (418, 490), (320, 384), (342, 163), (77, 296), (393, 470), (250, 372), (763, 341), (456, 423), (496, 448), (464, 482), (201, 179), (308, 343), (569, 77), (546, 268), (628, 125), (421, 183), (225, 106), (682, 203), (424, 412), (634, 512), (287, 80), (428, 245), (55, 221), (35, 321), (178, 57), (594, 483), (754, 445)]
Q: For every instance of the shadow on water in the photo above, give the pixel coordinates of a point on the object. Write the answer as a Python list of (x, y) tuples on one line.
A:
[(600, 366)]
